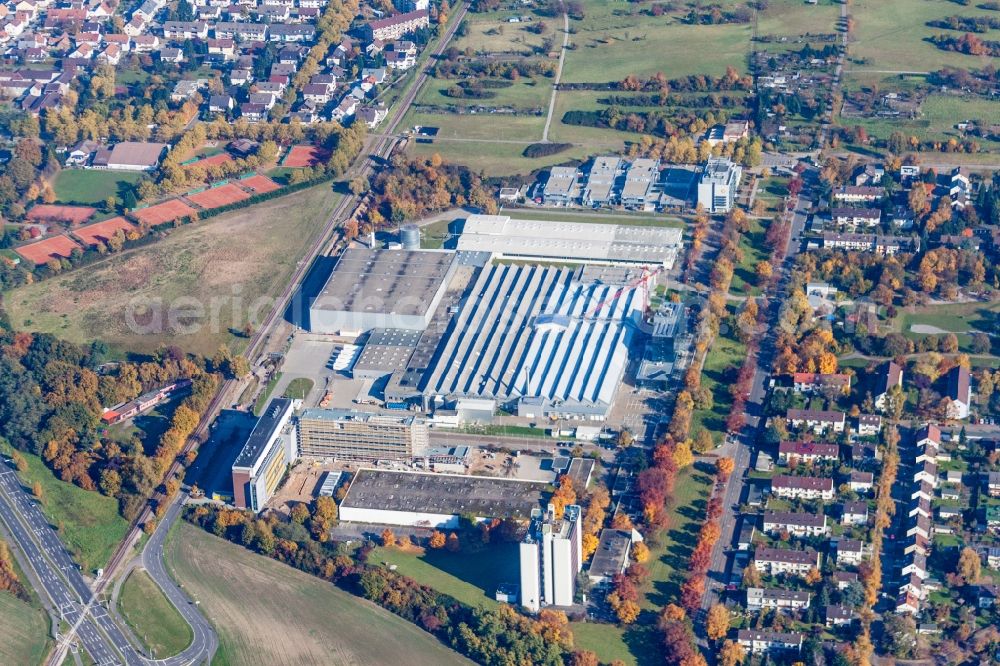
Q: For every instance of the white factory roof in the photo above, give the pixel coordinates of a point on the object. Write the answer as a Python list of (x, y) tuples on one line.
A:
[(537, 332), (583, 241)]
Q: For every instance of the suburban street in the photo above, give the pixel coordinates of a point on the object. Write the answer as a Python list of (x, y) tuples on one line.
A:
[(740, 448)]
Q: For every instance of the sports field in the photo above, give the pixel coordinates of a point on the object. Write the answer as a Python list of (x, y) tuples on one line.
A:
[(268, 613), (57, 213), (101, 232), (303, 156), (206, 162), (214, 197), (51, 248), (194, 288), (168, 211), (152, 617), (258, 184), (89, 186)]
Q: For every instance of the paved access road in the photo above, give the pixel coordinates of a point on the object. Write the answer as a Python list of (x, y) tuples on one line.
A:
[(205, 642)]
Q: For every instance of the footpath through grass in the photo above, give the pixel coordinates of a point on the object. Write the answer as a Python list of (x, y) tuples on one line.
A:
[(88, 522), (153, 619), (724, 355)]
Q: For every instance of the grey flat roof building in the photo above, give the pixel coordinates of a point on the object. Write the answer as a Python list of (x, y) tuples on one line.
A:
[(640, 179), (387, 350), (381, 288), (601, 180), (611, 556), (571, 241), (561, 187), (377, 495)]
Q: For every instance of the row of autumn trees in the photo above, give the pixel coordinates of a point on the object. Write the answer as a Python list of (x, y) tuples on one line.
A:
[(710, 318), (51, 398), (499, 637), (693, 589)]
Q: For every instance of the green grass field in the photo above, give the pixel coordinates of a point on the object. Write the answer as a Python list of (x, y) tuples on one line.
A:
[(612, 42), (494, 159), (725, 354), (24, 639), (298, 388), (789, 18), (889, 35), (25, 636), (525, 93), (196, 288), (959, 318), (152, 617), (91, 187), (266, 612), (754, 251), (471, 577), (88, 522)]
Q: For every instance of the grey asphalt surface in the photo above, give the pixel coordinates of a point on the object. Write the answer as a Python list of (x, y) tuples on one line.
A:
[(205, 642), (60, 576)]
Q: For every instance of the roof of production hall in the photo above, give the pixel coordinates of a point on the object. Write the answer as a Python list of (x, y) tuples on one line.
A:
[(396, 281), (537, 331), (446, 494), (575, 240)]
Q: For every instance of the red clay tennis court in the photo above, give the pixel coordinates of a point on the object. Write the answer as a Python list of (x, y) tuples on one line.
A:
[(168, 211), (206, 162), (304, 156), (65, 214), (259, 184), (218, 196), (101, 232), (50, 248)]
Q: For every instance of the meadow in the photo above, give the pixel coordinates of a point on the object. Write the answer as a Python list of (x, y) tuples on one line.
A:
[(266, 612), (196, 288)]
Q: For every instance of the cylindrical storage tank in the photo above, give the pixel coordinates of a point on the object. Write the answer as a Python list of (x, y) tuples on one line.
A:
[(409, 236)]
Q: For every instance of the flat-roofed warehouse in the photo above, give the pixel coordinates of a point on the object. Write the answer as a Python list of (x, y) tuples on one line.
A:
[(381, 289), (436, 500), (571, 241), (540, 340)]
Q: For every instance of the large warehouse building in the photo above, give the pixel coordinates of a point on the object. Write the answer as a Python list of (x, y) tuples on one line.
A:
[(381, 289), (571, 241), (541, 340), (267, 453), (436, 500), (344, 434)]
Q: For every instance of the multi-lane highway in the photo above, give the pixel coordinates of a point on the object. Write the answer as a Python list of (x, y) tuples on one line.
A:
[(59, 576)]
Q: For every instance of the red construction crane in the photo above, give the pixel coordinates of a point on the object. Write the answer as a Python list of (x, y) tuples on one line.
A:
[(647, 275)]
